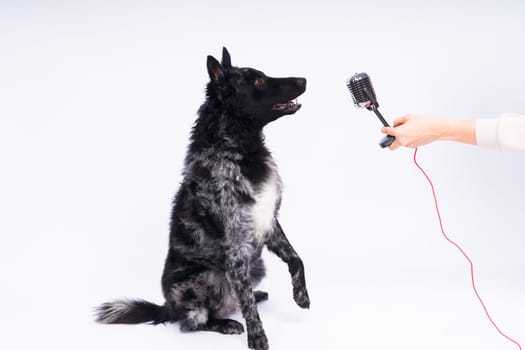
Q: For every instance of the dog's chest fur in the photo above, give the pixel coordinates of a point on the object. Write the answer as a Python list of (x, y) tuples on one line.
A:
[(267, 197)]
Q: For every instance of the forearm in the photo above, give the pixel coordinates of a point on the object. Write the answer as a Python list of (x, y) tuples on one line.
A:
[(459, 130)]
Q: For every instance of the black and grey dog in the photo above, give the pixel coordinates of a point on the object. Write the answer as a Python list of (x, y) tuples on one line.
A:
[(225, 211)]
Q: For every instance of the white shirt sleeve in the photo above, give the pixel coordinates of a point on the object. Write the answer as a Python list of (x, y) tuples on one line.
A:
[(507, 133)]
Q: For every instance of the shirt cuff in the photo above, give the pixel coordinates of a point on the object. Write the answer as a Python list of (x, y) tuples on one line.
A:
[(487, 133)]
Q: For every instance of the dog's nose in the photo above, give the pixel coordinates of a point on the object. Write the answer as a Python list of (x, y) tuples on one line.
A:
[(301, 83)]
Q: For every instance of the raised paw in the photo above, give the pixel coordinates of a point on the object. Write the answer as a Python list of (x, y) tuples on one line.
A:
[(300, 296), (260, 296), (258, 341)]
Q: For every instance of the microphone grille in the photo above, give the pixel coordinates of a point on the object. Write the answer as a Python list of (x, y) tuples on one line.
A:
[(356, 84)]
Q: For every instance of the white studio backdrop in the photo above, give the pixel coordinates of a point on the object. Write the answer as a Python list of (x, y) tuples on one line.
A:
[(97, 99)]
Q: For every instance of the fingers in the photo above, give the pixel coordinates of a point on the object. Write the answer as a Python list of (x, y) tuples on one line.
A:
[(394, 145), (404, 134), (402, 120), (395, 132), (391, 131), (388, 130), (398, 122)]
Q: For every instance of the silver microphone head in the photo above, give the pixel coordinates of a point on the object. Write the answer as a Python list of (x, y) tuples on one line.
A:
[(362, 91), (364, 96)]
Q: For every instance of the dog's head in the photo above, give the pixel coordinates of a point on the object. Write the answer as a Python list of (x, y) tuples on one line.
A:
[(249, 93)]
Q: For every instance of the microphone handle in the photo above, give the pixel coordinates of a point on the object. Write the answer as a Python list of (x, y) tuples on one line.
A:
[(385, 123), (388, 139)]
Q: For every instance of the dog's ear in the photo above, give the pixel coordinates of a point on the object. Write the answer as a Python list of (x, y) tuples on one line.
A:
[(215, 70), (226, 59)]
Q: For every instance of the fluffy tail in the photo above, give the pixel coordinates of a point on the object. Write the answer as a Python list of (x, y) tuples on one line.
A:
[(131, 311)]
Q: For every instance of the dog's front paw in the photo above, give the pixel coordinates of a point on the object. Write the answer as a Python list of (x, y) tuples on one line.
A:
[(300, 296), (231, 327), (258, 341)]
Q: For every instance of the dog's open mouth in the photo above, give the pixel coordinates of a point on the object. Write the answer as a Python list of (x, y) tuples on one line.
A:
[(287, 107)]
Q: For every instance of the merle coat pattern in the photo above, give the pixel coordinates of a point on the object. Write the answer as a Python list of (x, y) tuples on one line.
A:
[(224, 212)]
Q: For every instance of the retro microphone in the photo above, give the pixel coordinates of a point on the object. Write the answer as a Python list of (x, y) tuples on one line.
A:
[(364, 96)]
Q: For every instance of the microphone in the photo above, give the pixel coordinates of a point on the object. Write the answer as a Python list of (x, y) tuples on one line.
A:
[(364, 96)]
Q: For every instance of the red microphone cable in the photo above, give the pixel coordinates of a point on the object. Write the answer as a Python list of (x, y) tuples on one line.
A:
[(462, 252)]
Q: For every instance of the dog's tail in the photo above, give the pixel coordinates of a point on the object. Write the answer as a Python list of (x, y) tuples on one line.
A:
[(131, 311)]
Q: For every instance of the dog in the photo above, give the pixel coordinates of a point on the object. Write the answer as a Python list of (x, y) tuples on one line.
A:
[(224, 212)]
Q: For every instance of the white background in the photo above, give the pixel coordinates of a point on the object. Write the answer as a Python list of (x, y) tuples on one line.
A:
[(97, 99)]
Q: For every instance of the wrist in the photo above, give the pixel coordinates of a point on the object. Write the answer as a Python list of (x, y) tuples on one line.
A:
[(445, 128)]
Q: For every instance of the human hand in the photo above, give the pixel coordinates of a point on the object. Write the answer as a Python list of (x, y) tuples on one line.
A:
[(414, 130)]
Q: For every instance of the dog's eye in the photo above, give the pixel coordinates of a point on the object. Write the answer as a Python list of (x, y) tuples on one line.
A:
[(259, 82)]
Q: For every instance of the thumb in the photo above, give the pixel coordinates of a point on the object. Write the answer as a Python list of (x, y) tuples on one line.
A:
[(401, 121)]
